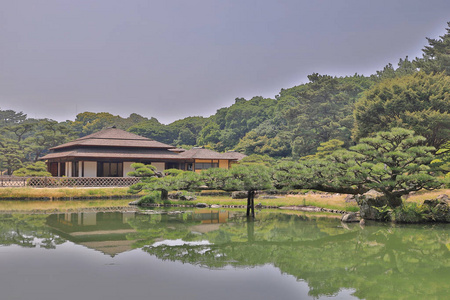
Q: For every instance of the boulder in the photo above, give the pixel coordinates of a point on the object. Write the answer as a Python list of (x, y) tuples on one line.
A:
[(351, 217), (187, 197), (438, 210), (368, 203), (201, 205), (239, 195), (175, 196)]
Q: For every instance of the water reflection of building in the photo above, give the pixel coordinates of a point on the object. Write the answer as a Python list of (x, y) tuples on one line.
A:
[(210, 219), (208, 216), (105, 232)]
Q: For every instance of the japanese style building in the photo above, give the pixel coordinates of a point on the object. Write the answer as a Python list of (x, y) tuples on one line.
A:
[(110, 153)]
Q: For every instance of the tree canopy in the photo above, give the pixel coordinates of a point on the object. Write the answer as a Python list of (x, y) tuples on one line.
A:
[(393, 163), (436, 56), (420, 102)]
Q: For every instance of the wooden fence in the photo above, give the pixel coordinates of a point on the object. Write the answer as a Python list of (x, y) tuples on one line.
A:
[(11, 181)]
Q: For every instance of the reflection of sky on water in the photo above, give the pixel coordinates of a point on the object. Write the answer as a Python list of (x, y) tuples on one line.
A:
[(180, 242), (75, 272)]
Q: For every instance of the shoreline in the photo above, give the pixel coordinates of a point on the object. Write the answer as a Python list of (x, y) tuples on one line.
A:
[(133, 208)]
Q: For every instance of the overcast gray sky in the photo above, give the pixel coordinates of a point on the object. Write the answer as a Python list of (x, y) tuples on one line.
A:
[(172, 59)]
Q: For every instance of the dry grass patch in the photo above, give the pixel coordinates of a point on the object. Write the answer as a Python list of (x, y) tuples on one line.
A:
[(421, 196), (55, 193)]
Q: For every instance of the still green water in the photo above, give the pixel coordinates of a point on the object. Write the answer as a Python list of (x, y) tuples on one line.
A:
[(218, 254)]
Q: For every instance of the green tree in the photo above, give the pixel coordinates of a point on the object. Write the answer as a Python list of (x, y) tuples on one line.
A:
[(209, 135), (11, 155), (230, 124), (38, 169), (393, 163), (326, 149), (443, 159), (436, 56), (257, 159), (187, 130), (419, 102), (145, 172), (48, 134), (249, 178), (153, 129), (324, 111), (169, 180), (14, 145), (405, 67), (10, 117), (89, 122), (185, 137)]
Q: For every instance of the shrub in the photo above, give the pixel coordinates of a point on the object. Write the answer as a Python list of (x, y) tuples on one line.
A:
[(151, 197), (409, 213)]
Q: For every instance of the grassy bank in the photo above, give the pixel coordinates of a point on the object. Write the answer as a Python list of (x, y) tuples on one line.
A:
[(325, 201), (9, 196), (61, 193)]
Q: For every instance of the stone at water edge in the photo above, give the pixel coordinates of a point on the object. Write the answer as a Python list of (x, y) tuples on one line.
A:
[(351, 217)]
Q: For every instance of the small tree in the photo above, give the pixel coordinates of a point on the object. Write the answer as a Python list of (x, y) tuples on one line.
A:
[(162, 184), (394, 163), (215, 178), (169, 180), (145, 172), (241, 177), (251, 178), (38, 169)]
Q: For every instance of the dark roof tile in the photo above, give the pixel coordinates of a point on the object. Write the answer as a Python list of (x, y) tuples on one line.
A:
[(113, 137)]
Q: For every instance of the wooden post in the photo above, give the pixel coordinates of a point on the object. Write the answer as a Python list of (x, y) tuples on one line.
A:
[(250, 229), (248, 203), (251, 203)]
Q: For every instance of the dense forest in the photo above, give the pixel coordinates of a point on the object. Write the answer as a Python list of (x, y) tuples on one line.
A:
[(327, 111)]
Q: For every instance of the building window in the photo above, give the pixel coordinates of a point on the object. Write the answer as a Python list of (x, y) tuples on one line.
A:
[(202, 166), (109, 169)]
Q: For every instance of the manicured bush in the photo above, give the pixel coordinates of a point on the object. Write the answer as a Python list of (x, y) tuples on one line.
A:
[(151, 197)]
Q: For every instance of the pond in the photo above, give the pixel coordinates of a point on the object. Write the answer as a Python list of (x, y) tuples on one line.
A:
[(218, 254)]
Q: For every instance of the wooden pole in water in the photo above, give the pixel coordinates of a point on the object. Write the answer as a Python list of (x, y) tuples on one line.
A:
[(251, 203), (248, 203)]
